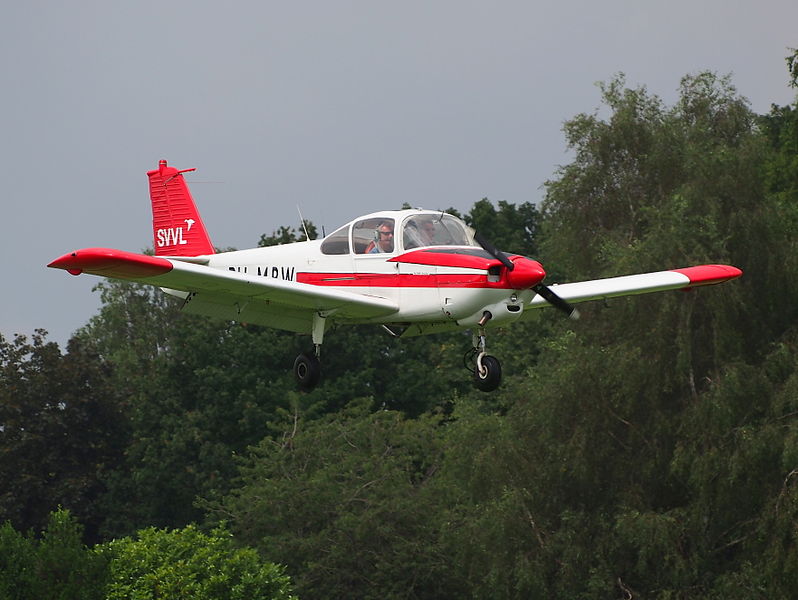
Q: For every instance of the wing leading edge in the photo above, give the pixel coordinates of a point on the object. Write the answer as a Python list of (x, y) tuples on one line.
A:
[(219, 286)]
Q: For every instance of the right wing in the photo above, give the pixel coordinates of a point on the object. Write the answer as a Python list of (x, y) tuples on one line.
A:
[(643, 283)]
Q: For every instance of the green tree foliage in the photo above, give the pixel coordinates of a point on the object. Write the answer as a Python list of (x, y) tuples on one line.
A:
[(186, 564), (345, 501), (203, 392), (61, 430), (792, 67), (167, 565), (288, 235), (56, 566), (511, 228), (654, 187), (651, 451)]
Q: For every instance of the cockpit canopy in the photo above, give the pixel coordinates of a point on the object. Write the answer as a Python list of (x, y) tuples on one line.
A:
[(378, 234)]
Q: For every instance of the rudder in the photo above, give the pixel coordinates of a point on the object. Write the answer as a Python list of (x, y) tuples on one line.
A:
[(177, 227)]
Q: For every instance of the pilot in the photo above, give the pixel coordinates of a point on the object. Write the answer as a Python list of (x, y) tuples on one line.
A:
[(384, 238)]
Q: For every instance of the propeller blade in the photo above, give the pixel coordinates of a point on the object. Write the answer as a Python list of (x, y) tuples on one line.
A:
[(493, 251), (549, 296)]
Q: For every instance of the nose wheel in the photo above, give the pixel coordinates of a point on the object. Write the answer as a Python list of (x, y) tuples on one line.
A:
[(488, 373)]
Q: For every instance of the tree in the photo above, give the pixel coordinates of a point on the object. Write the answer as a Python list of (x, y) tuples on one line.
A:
[(346, 503), (186, 564), (792, 67), (55, 566), (288, 235), (61, 431), (512, 228), (659, 429)]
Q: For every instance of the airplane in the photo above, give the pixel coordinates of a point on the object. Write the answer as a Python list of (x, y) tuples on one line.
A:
[(413, 272)]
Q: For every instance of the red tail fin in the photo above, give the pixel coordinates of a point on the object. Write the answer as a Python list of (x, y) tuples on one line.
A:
[(177, 227)]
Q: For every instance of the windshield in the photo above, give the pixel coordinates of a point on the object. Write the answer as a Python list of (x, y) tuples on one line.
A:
[(432, 229)]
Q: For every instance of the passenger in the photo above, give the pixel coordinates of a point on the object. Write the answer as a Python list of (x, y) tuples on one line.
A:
[(428, 232), (419, 233)]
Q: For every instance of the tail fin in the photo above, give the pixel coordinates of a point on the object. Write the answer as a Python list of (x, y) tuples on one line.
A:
[(177, 227)]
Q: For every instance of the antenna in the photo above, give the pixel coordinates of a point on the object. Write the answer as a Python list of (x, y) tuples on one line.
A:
[(302, 220)]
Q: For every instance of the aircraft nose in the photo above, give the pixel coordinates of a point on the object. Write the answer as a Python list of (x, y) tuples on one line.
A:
[(527, 273)]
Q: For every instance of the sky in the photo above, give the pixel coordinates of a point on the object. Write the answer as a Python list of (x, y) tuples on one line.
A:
[(338, 107)]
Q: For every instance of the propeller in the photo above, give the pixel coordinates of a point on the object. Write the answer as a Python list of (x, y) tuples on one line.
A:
[(543, 291)]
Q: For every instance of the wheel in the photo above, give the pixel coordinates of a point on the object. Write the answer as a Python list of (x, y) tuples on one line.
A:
[(307, 371), (491, 376)]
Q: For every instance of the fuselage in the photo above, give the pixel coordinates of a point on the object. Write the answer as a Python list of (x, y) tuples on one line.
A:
[(433, 269)]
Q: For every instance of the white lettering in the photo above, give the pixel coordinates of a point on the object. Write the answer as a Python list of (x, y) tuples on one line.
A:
[(173, 236)]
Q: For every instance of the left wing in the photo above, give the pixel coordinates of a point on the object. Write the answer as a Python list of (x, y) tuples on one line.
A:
[(643, 283), (220, 286)]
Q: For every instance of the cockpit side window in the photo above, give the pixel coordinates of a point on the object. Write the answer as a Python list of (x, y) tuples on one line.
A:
[(373, 236), (337, 242)]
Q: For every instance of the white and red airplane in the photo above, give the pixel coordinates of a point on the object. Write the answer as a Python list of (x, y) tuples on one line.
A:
[(414, 272)]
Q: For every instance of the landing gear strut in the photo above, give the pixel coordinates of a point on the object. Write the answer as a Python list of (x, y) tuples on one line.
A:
[(307, 367), (487, 369)]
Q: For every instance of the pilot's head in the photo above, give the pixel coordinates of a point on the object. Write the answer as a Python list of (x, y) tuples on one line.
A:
[(384, 236), (427, 230)]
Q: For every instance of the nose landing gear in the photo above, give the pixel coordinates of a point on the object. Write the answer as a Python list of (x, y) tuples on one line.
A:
[(487, 370)]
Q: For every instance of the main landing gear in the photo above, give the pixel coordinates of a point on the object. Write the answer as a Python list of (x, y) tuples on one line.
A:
[(487, 370), (307, 368)]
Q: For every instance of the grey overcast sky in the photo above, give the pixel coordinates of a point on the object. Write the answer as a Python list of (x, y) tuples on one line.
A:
[(340, 107)]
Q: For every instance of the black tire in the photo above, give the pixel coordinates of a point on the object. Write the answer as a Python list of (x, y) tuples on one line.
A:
[(307, 371), (492, 377)]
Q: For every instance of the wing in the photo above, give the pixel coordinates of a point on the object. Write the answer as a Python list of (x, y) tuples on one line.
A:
[(273, 302), (643, 283)]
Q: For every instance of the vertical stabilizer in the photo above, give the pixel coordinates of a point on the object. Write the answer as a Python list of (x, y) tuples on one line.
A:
[(177, 227)]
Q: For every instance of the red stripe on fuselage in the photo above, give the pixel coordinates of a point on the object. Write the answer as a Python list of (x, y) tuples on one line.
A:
[(469, 258), (389, 280)]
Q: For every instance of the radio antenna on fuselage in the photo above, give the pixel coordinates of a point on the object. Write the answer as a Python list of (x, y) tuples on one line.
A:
[(301, 220)]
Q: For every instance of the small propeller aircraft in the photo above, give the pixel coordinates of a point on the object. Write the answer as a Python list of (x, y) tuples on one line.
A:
[(414, 272)]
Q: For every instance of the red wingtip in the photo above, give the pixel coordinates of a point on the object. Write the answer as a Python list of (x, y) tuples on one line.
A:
[(709, 274), (111, 263)]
